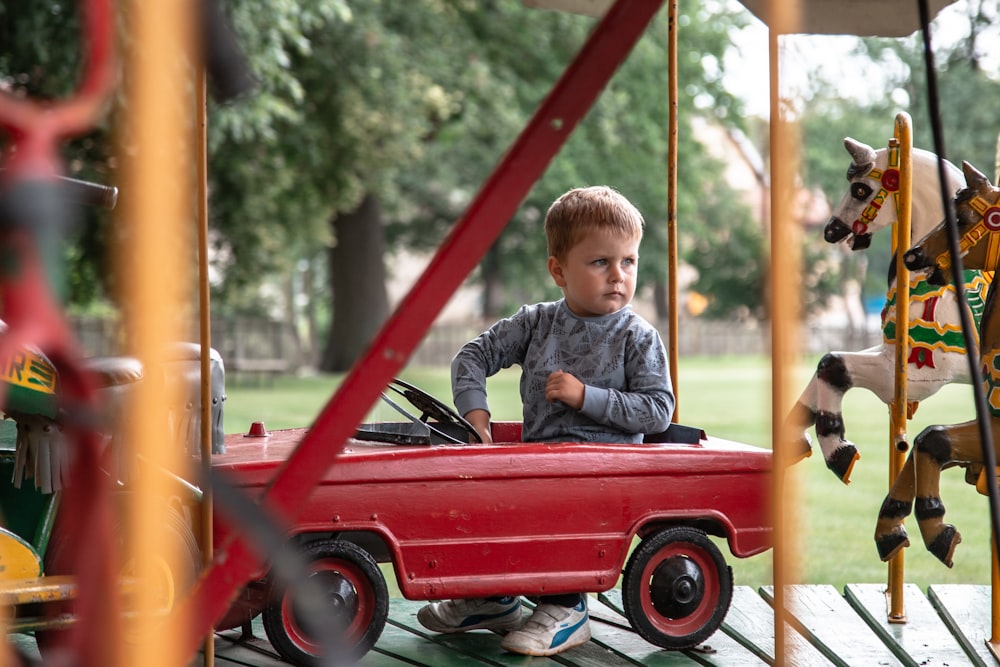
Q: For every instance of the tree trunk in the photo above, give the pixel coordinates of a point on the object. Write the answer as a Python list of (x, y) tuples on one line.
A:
[(312, 319), (661, 301), (492, 284), (357, 280)]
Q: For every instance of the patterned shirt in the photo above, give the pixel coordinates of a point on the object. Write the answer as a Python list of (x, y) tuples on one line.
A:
[(619, 357)]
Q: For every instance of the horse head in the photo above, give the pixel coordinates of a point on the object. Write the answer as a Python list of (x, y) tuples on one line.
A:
[(865, 180), (977, 212), (869, 205)]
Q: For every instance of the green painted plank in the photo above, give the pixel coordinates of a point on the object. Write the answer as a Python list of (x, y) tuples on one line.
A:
[(824, 617), (720, 649), (967, 609), (403, 647), (923, 640), (231, 649), (750, 622), (637, 651)]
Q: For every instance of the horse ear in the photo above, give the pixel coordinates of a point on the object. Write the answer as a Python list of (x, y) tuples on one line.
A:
[(974, 177), (862, 154)]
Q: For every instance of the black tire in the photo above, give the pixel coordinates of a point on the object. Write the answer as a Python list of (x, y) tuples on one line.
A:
[(355, 592), (677, 588), (62, 551)]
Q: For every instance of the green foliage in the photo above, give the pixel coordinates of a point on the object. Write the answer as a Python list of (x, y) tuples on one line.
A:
[(415, 102), (39, 67), (966, 93), (728, 251)]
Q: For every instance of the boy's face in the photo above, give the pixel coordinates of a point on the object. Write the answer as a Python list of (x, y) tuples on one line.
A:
[(597, 276)]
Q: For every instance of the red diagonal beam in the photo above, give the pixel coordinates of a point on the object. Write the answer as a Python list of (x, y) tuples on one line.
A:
[(497, 201)]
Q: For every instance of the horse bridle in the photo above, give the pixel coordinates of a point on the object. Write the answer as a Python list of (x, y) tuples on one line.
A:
[(988, 224), (888, 181)]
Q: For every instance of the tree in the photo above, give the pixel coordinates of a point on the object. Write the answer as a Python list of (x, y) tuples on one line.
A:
[(410, 105), (622, 141)]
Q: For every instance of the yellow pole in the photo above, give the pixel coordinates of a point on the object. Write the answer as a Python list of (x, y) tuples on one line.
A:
[(205, 334), (995, 601), (673, 300), (901, 143), (157, 215), (784, 284), (994, 557)]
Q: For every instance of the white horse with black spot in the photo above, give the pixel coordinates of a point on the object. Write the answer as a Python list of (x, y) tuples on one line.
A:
[(937, 349)]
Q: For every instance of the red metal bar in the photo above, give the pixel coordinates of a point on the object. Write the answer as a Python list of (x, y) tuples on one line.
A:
[(501, 194), (34, 317), (35, 127)]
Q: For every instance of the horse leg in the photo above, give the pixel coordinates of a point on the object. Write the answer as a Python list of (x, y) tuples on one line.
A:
[(932, 449), (890, 534), (833, 381), (800, 418)]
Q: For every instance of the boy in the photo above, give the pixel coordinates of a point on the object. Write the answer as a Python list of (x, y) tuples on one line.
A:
[(591, 370)]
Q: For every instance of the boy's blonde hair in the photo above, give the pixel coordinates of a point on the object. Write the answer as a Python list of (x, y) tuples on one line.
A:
[(583, 210)]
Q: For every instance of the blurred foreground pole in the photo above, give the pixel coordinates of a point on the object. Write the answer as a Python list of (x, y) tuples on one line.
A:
[(785, 282), (156, 224)]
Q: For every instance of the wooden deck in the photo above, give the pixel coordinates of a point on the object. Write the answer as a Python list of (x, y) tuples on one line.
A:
[(947, 626)]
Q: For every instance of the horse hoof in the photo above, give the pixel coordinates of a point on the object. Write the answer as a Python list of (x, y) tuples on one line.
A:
[(890, 544), (842, 461), (943, 546), (801, 449)]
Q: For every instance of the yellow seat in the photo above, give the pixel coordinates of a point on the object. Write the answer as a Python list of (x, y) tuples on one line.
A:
[(18, 560)]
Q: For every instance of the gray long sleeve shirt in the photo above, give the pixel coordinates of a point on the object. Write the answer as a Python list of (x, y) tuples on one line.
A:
[(619, 357)]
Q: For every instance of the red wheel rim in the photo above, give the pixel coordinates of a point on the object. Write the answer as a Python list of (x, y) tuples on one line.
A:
[(350, 595), (711, 588)]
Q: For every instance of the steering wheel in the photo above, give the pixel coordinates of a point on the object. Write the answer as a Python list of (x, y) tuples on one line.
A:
[(428, 406)]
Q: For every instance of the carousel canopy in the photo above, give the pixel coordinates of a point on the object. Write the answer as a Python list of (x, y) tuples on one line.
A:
[(866, 18)]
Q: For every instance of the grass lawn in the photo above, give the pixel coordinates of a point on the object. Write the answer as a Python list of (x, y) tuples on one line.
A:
[(730, 398)]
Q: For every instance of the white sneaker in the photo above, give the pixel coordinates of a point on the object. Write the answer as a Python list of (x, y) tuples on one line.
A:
[(476, 614), (551, 629)]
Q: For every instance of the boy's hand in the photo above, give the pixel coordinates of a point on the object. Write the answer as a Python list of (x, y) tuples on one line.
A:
[(480, 420), (561, 386)]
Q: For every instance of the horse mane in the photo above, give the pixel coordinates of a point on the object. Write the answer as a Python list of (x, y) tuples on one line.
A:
[(965, 195)]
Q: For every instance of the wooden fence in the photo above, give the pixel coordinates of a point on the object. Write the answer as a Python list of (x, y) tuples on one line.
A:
[(268, 347)]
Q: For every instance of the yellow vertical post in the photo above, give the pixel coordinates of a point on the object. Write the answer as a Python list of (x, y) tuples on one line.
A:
[(205, 333), (901, 145), (672, 136), (994, 643), (156, 212), (995, 599), (784, 304)]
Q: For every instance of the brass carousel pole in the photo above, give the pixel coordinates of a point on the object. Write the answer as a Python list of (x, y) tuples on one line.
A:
[(205, 332), (901, 145), (994, 641), (672, 136)]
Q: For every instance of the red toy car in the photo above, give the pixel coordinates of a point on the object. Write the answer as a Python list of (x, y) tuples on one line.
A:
[(461, 520)]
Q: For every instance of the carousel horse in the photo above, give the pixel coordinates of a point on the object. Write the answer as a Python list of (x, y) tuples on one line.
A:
[(937, 350), (977, 208)]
